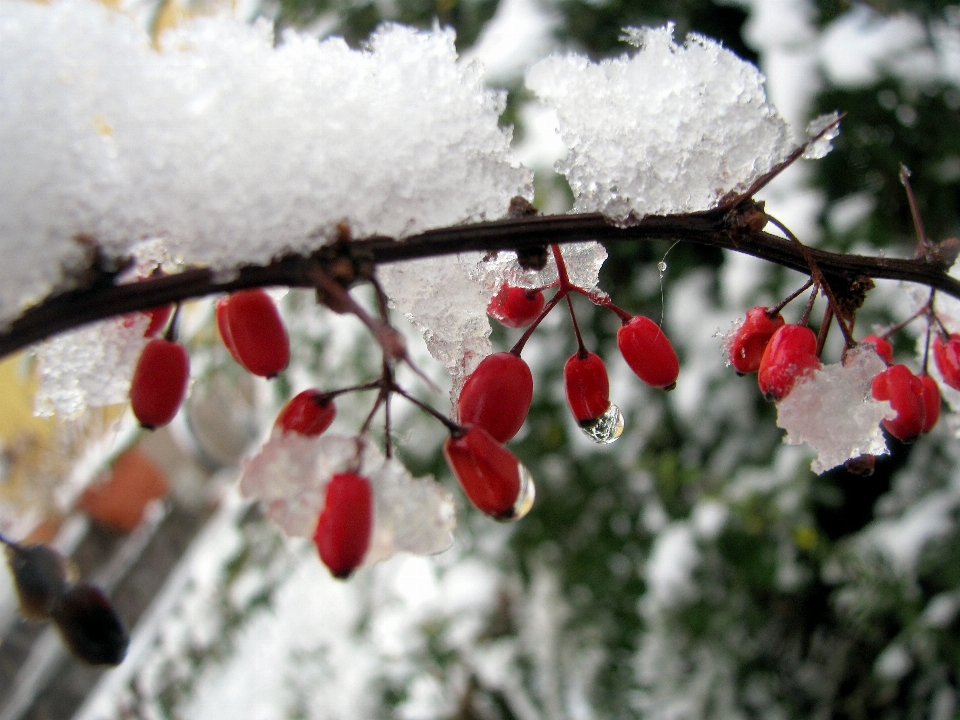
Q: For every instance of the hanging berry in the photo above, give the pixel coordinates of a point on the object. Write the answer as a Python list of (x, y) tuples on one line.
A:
[(497, 395), (905, 393), (789, 356), (223, 325), (159, 383), (884, 348), (587, 386), (516, 307), (308, 413), (253, 332), (648, 352), (345, 524), (931, 403), (947, 356), (750, 340), (491, 476), (90, 626)]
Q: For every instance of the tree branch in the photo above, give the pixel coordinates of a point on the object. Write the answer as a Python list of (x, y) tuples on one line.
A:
[(733, 227)]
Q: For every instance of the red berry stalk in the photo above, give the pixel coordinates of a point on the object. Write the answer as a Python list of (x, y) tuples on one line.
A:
[(497, 395), (345, 524), (491, 476)]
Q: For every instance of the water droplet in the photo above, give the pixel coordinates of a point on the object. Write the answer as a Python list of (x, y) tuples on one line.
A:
[(662, 267), (525, 497), (606, 428)]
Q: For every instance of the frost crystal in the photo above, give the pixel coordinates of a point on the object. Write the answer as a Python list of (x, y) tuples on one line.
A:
[(232, 149), (822, 146), (834, 412), (289, 477), (670, 129)]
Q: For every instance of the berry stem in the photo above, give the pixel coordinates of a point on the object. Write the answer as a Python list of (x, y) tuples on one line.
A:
[(455, 429), (824, 329), (775, 310), (387, 440), (174, 327), (805, 316), (562, 276), (581, 349), (922, 242), (551, 304), (925, 310)]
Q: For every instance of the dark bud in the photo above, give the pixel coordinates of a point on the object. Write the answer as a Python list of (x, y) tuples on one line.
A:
[(90, 626), (40, 575), (532, 258)]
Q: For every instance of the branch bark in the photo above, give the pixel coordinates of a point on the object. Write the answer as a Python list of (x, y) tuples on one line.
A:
[(731, 227)]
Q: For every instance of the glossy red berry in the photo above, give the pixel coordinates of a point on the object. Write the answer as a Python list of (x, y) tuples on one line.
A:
[(931, 403), (223, 325), (789, 356), (946, 353), (905, 393), (516, 307), (497, 395), (587, 386), (748, 343), (490, 475), (648, 352), (345, 524), (307, 413), (884, 348), (159, 383), (254, 333)]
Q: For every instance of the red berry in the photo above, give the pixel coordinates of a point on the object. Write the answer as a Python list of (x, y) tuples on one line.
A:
[(516, 307), (905, 392), (884, 348), (497, 395), (750, 340), (223, 325), (256, 332), (490, 475), (345, 524), (648, 352), (158, 317), (159, 383), (790, 355), (588, 388), (947, 356), (931, 403), (307, 414)]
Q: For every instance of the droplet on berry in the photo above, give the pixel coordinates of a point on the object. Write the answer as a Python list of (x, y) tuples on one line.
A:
[(883, 346), (159, 383), (790, 355), (307, 413), (648, 352), (606, 428), (904, 391), (491, 476), (745, 348), (947, 356), (40, 576), (345, 524), (254, 333), (516, 307), (497, 395), (90, 626)]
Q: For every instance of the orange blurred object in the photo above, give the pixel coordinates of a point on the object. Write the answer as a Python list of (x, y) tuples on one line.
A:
[(118, 501)]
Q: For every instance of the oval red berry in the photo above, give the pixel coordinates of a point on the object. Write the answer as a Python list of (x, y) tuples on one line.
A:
[(516, 307), (947, 356), (931, 403), (588, 387), (904, 391), (306, 413), (648, 352), (790, 355), (497, 395), (159, 383), (884, 348), (345, 524), (750, 340), (256, 332), (492, 478)]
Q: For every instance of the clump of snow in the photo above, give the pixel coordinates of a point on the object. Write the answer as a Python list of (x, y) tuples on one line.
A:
[(822, 146), (232, 149), (834, 412), (289, 476), (670, 129)]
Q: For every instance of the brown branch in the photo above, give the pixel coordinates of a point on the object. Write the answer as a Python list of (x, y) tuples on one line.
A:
[(729, 227)]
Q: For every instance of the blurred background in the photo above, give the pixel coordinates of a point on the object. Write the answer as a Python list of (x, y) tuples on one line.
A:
[(695, 569)]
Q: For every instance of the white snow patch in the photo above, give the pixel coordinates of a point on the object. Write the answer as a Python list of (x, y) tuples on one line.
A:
[(672, 560)]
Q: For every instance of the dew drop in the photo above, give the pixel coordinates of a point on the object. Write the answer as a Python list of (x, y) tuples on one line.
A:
[(662, 267), (606, 428), (525, 497)]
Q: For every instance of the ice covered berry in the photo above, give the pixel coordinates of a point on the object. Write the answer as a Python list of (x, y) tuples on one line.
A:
[(345, 524), (648, 352), (790, 355), (946, 353), (497, 395), (905, 393), (587, 386), (884, 348), (515, 307), (308, 413), (254, 332), (491, 476), (159, 383), (749, 341)]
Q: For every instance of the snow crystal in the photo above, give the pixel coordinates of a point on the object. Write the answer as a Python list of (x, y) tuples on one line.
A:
[(670, 129), (289, 476), (834, 412), (822, 146), (232, 149)]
